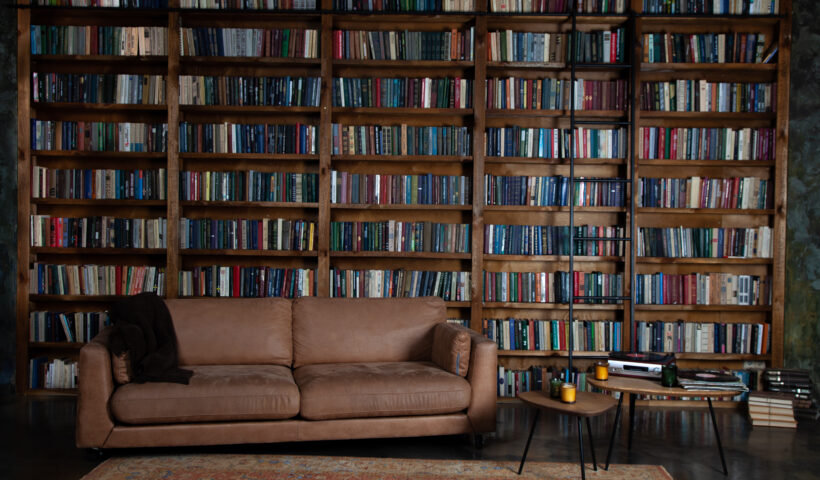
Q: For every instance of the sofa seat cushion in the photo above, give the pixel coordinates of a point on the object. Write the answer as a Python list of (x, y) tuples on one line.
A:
[(215, 393), (379, 389)]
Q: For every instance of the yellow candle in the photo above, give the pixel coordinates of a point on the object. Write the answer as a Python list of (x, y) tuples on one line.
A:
[(601, 371), (568, 393)]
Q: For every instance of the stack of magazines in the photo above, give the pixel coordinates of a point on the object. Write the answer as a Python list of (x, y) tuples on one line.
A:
[(710, 380)]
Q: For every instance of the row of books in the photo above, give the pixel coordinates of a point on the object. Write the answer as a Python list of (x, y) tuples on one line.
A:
[(688, 242), (553, 191), (98, 136), (397, 236), (98, 88), (714, 7), (248, 186), (558, 6), (772, 409), (250, 4), (704, 47), (555, 142), (403, 92), (685, 337), (248, 138), (97, 232), (98, 40), (451, 286), (554, 94), (512, 46), (404, 5), (403, 45), (795, 384), (401, 140), (552, 240), (104, 3), (512, 382), (98, 183), (543, 335), (62, 279), (705, 96), (688, 143), (239, 281), (711, 288), (599, 46), (244, 234), (704, 192), (375, 189), (552, 287), (249, 42), (464, 322), (250, 91), (65, 326), (57, 373)]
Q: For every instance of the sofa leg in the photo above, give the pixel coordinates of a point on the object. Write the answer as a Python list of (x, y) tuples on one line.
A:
[(478, 441), (96, 454)]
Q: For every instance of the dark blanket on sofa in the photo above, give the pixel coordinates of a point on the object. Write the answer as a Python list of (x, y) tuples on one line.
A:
[(143, 328)]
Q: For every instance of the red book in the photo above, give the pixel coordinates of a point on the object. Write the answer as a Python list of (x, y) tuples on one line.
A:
[(661, 142), (337, 44), (118, 280), (235, 283), (646, 142)]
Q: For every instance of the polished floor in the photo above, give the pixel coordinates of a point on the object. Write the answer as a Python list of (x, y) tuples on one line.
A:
[(38, 443)]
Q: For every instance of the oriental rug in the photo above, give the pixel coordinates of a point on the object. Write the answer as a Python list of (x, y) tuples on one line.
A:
[(303, 467)]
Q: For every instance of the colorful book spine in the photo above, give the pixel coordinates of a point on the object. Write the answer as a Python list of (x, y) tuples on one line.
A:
[(248, 186), (511, 46), (98, 40), (404, 5), (401, 140), (250, 91), (245, 138), (553, 191), (552, 287), (52, 374), (375, 189), (403, 92), (704, 192), (555, 142), (685, 337), (451, 286), (712, 7), (97, 232), (104, 3), (74, 327), (397, 236), (687, 242), (512, 382), (61, 279), (702, 289), (98, 184), (706, 96), (98, 136), (552, 240), (605, 46), (554, 94), (98, 88), (551, 335), (404, 45), (704, 47), (246, 282), (686, 143), (264, 234), (559, 6), (249, 42), (250, 4)]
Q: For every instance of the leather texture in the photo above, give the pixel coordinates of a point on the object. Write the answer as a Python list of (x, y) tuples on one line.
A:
[(379, 389), (232, 331), (451, 348), (483, 378), (345, 330), (121, 368), (385, 427), (214, 393), (96, 384)]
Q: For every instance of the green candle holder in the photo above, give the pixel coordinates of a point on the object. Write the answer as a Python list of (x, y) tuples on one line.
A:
[(555, 387), (669, 375)]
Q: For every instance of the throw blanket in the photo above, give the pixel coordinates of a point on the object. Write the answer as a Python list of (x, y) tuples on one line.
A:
[(143, 328)]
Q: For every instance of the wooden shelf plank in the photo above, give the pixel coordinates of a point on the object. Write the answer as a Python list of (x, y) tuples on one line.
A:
[(614, 115), (96, 202), (409, 255), (90, 154), (551, 353), (97, 107), (706, 211), (706, 163), (703, 308), (55, 345), (720, 356), (243, 204), (52, 391), (433, 112), (704, 261), (75, 298), (408, 64), (555, 161), (550, 258), (708, 67), (216, 109), (247, 253), (122, 60), (250, 61), (645, 114), (554, 306), (97, 251), (367, 206), (247, 156), (528, 208), (401, 158)]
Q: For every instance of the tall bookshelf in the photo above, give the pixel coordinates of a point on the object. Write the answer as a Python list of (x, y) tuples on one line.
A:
[(323, 263)]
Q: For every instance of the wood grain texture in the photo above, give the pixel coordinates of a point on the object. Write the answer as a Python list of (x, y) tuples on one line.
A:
[(586, 405), (641, 386)]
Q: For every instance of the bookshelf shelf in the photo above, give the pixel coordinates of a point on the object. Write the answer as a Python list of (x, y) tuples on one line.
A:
[(52, 391), (769, 163), (56, 345), (551, 353)]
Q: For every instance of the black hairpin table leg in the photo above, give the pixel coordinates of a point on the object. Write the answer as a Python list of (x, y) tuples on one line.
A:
[(614, 430), (717, 436), (591, 446), (581, 447), (529, 440)]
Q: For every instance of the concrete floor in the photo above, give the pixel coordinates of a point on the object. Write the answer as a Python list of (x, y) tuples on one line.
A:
[(38, 443)]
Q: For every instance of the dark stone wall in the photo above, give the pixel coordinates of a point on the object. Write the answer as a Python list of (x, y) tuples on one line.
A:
[(802, 329), (802, 332)]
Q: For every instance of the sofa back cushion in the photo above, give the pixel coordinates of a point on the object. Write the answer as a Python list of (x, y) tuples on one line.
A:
[(345, 330), (232, 331)]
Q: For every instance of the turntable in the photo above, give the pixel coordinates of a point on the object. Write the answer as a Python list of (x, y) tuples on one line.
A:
[(639, 365)]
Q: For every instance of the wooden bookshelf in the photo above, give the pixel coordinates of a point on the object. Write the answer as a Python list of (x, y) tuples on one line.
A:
[(631, 165)]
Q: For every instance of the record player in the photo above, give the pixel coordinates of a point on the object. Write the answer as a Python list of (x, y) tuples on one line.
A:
[(639, 365)]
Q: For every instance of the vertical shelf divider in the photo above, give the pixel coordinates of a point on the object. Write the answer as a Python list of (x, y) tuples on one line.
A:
[(173, 264), (325, 139), (479, 124)]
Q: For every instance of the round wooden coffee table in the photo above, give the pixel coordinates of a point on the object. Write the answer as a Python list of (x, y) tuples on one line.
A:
[(586, 405)]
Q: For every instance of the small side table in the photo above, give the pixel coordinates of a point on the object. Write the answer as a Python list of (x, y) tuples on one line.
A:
[(639, 386), (586, 405)]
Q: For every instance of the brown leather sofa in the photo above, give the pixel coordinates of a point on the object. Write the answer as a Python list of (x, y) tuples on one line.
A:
[(276, 370)]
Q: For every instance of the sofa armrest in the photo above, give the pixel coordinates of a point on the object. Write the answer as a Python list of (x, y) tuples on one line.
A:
[(96, 382), (482, 375)]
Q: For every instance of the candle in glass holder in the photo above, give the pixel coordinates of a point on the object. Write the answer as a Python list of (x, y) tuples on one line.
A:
[(601, 371), (555, 387), (568, 393)]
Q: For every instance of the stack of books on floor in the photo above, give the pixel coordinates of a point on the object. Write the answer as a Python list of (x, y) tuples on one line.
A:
[(718, 380), (771, 409), (797, 384)]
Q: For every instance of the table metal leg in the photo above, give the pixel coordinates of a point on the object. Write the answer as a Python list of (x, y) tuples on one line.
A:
[(614, 429), (632, 398), (529, 439), (592, 446), (717, 436), (581, 447)]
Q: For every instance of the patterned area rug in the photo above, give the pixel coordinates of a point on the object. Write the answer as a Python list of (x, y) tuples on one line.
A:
[(292, 467)]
